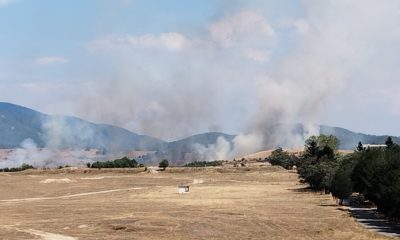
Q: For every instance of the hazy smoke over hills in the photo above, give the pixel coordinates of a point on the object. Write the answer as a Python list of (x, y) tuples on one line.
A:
[(233, 73), (251, 68)]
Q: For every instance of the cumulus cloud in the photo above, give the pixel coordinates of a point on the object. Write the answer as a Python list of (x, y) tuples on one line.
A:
[(242, 28), (242, 25), (173, 41), (50, 60)]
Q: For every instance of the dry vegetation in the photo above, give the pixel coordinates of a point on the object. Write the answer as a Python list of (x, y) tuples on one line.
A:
[(266, 153), (260, 202)]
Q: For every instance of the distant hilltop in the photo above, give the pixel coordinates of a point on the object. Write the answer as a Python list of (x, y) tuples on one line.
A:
[(18, 123)]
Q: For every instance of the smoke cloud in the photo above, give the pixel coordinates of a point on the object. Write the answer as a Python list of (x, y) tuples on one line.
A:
[(252, 70), (231, 74), (28, 153)]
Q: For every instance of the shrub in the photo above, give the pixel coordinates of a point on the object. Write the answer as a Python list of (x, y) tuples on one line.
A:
[(282, 158), (204, 164), (124, 162), (23, 167), (163, 164)]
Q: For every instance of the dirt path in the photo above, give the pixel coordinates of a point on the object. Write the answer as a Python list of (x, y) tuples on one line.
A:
[(48, 236), (42, 234), (370, 219), (17, 200)]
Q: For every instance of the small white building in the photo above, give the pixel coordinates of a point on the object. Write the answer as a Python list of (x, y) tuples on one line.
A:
[(183, 189), (370, 146)]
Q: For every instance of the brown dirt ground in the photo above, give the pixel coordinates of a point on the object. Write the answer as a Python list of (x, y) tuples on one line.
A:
[(262, 202)]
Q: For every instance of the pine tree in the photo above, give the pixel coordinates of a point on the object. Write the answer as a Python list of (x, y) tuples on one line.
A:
[(389, 142), (360, 147), (311, 148)]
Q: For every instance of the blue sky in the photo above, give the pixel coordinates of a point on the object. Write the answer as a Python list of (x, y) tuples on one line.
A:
[(64, 26), (174, 68)]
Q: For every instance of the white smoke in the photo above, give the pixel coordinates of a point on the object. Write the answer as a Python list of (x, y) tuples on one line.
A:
[(217, 151), (64, 132), (248, 71), (222, 150), (235, 66), (337, 44), (28, 153)]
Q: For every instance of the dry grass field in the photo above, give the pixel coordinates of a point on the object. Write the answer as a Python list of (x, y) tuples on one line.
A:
[(266, 153), (262, 202)]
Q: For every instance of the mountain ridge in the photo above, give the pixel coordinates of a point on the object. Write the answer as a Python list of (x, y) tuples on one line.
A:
[(18, 123)]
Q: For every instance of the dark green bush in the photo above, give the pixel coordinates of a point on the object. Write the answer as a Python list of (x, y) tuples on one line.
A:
[(23, 167), (163, 164), (124, 162), (282, 158), (204, 164)]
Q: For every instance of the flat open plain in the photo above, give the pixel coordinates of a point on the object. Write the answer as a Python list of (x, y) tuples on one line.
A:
[(262, 202)]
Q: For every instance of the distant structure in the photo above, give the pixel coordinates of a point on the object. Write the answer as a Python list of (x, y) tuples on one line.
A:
[(366, 146), (183, 189)]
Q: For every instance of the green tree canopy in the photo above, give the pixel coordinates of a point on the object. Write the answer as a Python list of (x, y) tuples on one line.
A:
[(389, 142), (319, 162), (342, 185), (282, 158), (163, 164)]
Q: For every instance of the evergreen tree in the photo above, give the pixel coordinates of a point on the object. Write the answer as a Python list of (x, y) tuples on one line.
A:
[(342, 185), (163, 164), (311, 148), (389, 142), (320, 161), (360, 147)]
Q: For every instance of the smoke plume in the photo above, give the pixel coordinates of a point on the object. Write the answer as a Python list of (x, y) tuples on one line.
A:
[(231, 75), (252, 70)]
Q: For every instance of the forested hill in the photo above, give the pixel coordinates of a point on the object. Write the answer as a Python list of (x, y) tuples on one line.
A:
[(18, 123)]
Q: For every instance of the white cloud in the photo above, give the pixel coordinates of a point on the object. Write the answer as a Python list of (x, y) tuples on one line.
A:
[(244, 35), (173, 41), (241, 30), (239, 26), (261, 56), (6, 2), (50, 60)]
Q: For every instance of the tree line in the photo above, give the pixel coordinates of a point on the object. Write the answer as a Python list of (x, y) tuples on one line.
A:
[(23, 167), (124, 162), (204, 164), (374, 173)]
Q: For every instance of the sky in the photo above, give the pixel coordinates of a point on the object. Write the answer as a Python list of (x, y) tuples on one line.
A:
[(173, 68)]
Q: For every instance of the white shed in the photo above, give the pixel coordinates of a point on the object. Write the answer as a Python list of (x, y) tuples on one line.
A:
[(183, 189), (366, 146)]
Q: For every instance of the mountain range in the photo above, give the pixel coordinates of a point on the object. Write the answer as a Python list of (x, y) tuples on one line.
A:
[(18, 123)]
